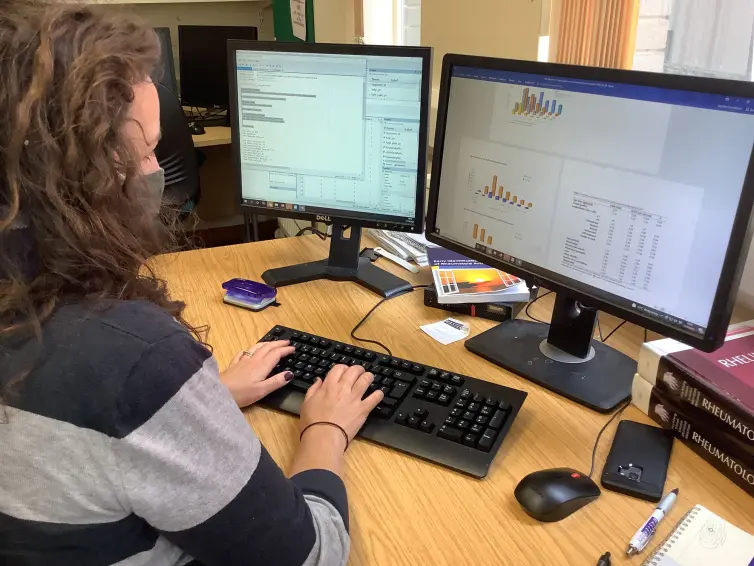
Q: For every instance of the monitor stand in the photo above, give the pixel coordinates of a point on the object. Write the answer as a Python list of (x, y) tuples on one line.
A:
[(343, 264), (561, 356)]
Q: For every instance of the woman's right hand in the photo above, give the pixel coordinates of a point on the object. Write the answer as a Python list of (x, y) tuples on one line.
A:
[(338, 399)]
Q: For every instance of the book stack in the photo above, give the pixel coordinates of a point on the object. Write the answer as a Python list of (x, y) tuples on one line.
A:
[(707, 399), (467, 286)]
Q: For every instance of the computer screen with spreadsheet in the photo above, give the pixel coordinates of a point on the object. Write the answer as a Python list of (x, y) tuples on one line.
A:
[(622, 191), (331, 134)]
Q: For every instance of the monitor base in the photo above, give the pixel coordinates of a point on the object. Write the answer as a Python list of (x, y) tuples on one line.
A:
[(601, 383), (367, 275), (343, 264)]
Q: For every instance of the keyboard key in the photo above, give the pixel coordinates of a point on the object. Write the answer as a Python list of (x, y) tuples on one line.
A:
[(399, 375), (348, 349), (299, 365), (309, 367), (315, 351), (456, 380), (469, 440), (383, 412), (466, 394), (469, 416), (479, 398), (490, 402), (504, 406), (304, 337), (324, 343), (436, 387), (426, 426), (339, 347), (456, 412), (433, 373), (487, 440), (461, 403), (474, 407), (477, 429), (414, 421), (306, 349), (444, 376), (444, 399), (369, 356), (387, 372), (497, 419), (449, 433), (343, 360), (358, 352), (401, 418), (389, 402), (449, 390), (487, 411), (277, 331), (421, 413), (319, 372), (303, 357), (296, 336), (463, 424), (431, 395), (417, 369), (450, 421), (385, 389), (314, 360), (299, 385), (298, 373), (334, 357), (425, 383), (324, 363), (482, 420), (383, 360), (420, 392), (307, 376), (395, 363), (387, 381), (399, 390), (405, 366)]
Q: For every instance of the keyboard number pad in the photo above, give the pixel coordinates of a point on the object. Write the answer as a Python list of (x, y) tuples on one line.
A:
[(475, 421), (435, 392)]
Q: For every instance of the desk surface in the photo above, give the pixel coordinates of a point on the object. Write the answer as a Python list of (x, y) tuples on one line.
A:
[(405, 510), (215, 135)]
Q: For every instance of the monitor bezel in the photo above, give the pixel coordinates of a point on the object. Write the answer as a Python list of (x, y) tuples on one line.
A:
[(330, 216), (738, 245), (185, 69)]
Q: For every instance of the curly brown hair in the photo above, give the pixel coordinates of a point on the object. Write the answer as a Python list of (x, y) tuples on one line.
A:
[(67, 82)]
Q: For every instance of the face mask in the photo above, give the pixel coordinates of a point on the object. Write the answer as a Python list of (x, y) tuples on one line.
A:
[(149, 188)]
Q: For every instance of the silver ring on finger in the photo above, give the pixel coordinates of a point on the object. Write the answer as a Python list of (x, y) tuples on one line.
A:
[(247, 354)]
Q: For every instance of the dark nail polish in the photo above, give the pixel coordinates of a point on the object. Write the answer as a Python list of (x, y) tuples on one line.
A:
[(288, 376)]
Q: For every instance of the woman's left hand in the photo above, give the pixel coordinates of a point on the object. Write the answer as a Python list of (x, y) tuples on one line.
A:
[(246, 376)]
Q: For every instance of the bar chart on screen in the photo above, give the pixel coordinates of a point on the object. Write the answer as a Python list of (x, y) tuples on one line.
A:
[(499, 193), (534, 104)]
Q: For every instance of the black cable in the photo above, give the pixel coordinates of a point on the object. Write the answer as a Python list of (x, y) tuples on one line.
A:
[(602, 430), (613, 331), (526, 310), (599, 328), (322, 235), (374, 308)]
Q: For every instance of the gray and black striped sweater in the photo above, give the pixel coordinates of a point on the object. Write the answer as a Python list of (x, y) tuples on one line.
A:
[(122, 447)]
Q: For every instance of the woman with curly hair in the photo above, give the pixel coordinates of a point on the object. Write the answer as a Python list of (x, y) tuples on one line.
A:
[(121, 441)]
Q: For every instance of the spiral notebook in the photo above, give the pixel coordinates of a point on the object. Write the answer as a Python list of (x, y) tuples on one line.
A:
[(702, 538)]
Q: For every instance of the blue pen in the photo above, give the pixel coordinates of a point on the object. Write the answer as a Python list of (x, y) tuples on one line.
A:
[(642, 537)]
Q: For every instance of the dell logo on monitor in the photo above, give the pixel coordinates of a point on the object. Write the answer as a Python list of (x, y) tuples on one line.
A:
[(324, 218)]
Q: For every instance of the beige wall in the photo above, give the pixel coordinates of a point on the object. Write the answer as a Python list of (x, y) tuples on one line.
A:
[(334, 21), (498, 28)]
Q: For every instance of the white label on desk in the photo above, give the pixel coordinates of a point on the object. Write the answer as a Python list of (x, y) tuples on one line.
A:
[(298, 18), (447, 331)]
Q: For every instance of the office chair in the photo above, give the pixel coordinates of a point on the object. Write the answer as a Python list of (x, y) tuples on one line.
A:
[(176, 153)]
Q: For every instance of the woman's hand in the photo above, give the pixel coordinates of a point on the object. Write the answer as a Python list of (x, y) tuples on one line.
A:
[(338, 399), (246, 375)]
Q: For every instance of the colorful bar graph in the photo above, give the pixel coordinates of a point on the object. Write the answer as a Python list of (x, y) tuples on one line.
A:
[(508, 195), (500, 192), (528, 205), (486, 190), (534, 105), (481, 236), (476, 230), (489, 240), (515, 199), (494, 183)]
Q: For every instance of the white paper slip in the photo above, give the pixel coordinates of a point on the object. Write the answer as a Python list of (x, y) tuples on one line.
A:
[(298, 18), (447, 331)]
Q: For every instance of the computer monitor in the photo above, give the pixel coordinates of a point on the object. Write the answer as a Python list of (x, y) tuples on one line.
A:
[(203, 62), (164, 72), (622, 191), (334, 134)]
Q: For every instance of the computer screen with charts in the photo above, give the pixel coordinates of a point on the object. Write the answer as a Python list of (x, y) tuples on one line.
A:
[(623, 191), (333, 131)]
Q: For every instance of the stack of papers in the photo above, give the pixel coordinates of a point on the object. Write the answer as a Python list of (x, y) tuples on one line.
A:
[(410, 247)]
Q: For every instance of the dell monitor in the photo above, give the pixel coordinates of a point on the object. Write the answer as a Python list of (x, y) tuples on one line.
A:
[(203, 63), (334, 134), (624, 192), (164, 72)]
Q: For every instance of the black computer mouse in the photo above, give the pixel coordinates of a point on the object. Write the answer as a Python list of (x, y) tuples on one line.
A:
[(552, 495), (196, 129)]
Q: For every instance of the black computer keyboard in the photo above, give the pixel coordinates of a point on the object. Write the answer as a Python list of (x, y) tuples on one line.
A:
[(444, 417)]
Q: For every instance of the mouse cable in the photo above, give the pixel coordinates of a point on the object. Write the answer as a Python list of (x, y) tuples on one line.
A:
[(613, 331), (602, 430), (374, 308), (322, 235)]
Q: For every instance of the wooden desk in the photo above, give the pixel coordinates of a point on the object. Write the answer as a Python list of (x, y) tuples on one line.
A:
[(407, 511), (215, 135)]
